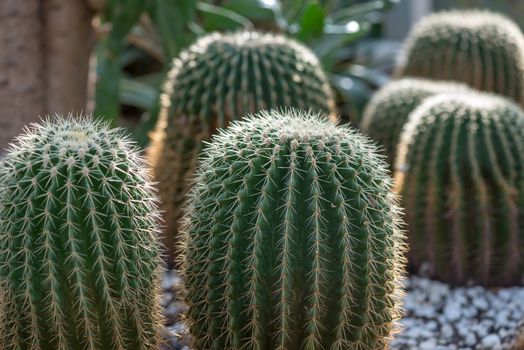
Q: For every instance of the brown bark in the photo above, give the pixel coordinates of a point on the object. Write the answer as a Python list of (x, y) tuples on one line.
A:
[(44, 53), (21, 66)]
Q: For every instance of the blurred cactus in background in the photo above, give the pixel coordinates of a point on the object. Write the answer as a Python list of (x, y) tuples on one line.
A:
[(292, 238), (133, 60), (460, 172), (512, 8), (482, 49), (79, 254), (389, 108), (220, 78)]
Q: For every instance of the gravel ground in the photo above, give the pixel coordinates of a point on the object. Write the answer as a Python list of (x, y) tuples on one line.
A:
[(437, 317)]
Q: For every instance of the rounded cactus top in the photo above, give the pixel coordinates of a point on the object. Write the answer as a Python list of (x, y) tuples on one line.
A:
[(481, 48), (230, 75), (468, 111), (388, 110), (481, 22), (297, 129), (73, 141), (404, 94)]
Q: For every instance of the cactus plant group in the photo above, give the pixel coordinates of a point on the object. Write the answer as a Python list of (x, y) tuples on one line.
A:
[(389, 108), (79, 257), (291, 238), (221, 78), (482, 49), (460, 172)]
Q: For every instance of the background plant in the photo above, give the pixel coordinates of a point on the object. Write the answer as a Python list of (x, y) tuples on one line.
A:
[(344, 34), (460, 172), (218, 79), (482, 49), (389, 109)]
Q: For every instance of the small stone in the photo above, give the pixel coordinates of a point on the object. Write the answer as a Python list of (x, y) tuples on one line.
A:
[(446, 331), (431, 325), (480, 329), (426, 311), (452, 311), (502, 318), (480, 303), (166, 299), (470, 340), (491, 342), (428, 345)]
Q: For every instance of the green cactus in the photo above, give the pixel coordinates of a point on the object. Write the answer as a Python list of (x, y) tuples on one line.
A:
[(79, 257), (291, 238), (460, 172), (482, 49), (388, 110), (221, 78)]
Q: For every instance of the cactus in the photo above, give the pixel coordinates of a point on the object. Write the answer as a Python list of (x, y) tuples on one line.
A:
[(460, 171), (389, 108), (220, 78), (79, 257), (482, 49), (291, 238)]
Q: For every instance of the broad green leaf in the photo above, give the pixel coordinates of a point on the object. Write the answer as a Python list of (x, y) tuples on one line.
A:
[(326, 48), (172, 20), (254, 9), (123, 15), (312, 23), (137, 94), (361, 11), (221, 19)]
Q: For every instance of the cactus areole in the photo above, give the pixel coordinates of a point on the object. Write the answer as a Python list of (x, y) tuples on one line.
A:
[(460, 172), (291, 238), (79, 257)]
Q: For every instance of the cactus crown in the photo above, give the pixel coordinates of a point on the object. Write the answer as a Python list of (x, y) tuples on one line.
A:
[(460, 171), (79, 258), (220, 78), (291, 238), (390, 107), (482, 49), (227, 76)]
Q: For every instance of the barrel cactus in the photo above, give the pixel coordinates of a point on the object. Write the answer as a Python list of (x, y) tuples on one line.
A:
[(460, 171), (79, 258), (389, 108), (482, 49), (220, 78), (291, 238)]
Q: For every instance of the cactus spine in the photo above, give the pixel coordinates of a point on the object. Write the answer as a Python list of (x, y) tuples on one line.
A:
[(79, 258), (291, 238), (390, 107), (223, 77), (482, 49), (461, 176)]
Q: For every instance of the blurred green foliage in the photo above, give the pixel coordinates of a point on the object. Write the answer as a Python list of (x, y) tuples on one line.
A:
[(145, 35)]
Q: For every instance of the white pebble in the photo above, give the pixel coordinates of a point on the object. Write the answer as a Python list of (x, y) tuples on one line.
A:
[(480, 303), (428, 345), (491, 342), (452, 311)]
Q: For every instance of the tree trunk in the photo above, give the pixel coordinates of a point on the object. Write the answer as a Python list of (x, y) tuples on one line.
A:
[(44, 53)]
